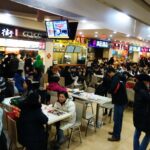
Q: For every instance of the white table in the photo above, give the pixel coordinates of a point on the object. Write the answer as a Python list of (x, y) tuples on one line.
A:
[(99, 76), (52, 118), (99, 100)]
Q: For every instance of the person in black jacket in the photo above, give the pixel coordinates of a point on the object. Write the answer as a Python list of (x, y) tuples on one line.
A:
[(141, 111), (31, 131), (119, 99)]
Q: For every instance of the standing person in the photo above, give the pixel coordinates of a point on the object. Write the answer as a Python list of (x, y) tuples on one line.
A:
[(38, 64), (3, 141), (30, 125), (28, 64), (119, 99), (141, 112)]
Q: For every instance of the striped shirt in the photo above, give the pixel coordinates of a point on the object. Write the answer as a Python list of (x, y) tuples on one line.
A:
[(2, 84)]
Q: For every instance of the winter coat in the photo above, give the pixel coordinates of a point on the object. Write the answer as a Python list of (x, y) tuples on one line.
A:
[(19, 82), (141, 111), (54, 86), (38, 63), (119, 97), (68, 106), (30, 125)]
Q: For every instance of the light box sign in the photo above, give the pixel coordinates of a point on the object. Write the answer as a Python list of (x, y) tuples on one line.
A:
[(22, 44), (7, 31), (145, 49), (134, 49), (98, 43)]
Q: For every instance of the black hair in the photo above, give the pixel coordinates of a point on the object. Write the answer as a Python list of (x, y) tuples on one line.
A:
[(111, 69), (64, 93), (54, 79)]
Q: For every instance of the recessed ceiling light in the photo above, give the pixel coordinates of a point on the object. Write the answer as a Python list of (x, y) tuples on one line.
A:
[(114, 32), (111, 35), (83, 21), (128, 35), (96, 32), (80, 33)]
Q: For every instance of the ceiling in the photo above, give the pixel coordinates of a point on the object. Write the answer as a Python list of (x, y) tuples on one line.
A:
[(103, 16)]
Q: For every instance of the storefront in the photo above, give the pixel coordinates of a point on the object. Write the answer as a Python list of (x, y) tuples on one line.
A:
[(119, 50), (145, 52), (98, 49), (70, 52), (22, 41)]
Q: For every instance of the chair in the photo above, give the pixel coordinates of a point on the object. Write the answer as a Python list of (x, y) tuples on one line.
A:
[(130, 95), (5, 120), (108, 106), (62, 81), (76, 126), (89, 116), (54, 97), (12, 133)]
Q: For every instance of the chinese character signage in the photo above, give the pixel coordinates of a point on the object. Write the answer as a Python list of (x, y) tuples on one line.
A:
[(7, 31), (120, 46), (98, 43), (134, 49), (145, 49)]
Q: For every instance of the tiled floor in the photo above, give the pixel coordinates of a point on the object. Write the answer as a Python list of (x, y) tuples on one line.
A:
[(98, 140)]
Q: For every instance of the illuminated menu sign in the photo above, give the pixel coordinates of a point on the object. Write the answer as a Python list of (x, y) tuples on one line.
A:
[(145, 49), (134, 49), (7, 31), (120, 46), (98, 43)]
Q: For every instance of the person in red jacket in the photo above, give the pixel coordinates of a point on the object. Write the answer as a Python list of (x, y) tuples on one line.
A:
[(54, 85)]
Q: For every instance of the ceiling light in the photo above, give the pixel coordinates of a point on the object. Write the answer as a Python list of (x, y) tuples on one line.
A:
[(96, 32), (84, 21), (96, 35), (47, 19), (128, 35), (111, 35), (80, 33), (114, 32)]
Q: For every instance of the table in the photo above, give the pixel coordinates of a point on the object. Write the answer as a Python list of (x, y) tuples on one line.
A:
[(91, 97), (99, 76), (52, 118)]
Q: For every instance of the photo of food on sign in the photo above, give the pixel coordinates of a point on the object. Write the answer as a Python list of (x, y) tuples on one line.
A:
[(60, 28)]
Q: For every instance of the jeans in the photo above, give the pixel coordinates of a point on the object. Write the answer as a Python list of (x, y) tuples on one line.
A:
[(118, 117), (60, 133), (144, 143)]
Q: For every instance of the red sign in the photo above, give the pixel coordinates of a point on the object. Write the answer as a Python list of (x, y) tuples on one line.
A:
[(103, 36)]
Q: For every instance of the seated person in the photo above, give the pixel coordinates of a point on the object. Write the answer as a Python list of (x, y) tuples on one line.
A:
[(30, 125), (54, 85), (67, 105), (19, 81)]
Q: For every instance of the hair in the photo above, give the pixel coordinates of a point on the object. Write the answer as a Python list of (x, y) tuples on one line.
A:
[(111, 69), (33, 100), (54, 78), (64, 93)]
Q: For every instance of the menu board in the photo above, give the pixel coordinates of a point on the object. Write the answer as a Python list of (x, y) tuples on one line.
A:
[(70, 49), (134, 49), (57, 29), (98, 43), (145, 49)]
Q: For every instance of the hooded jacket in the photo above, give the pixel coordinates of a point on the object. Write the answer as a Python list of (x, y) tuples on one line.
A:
[(141, 111), (38, 63)]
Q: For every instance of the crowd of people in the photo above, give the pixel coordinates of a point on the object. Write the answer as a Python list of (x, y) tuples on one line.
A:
[(23, 77)]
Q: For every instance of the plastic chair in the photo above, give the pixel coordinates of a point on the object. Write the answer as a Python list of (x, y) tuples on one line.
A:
[(77, 125), (54, 97), (89, 116), (12, 133), (62, 81)]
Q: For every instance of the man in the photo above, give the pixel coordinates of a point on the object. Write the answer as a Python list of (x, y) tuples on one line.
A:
[(141, 112), (119, 99)]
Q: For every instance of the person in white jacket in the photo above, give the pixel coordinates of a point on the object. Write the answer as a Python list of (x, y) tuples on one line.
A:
[(66, 104)]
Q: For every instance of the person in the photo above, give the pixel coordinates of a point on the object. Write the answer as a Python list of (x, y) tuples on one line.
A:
[(54, 85), (3, 141), (119, 99), (19, 81), (28, 65), (141, 112), (68, 77), (30, 125), (38, 64), (67, 105)]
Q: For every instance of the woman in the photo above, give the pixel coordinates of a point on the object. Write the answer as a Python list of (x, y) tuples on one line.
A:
[(54, 85), (31, 123), (141, 112), (67, 105)]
